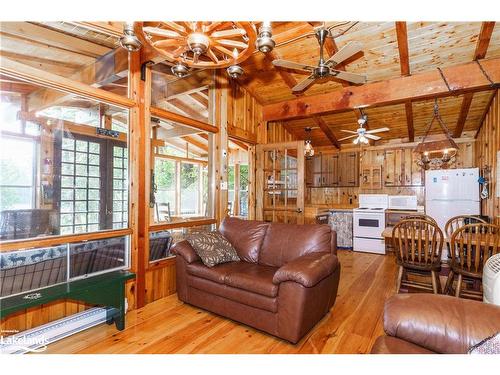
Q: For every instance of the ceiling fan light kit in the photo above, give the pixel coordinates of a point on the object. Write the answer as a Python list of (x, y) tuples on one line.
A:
[(362, 135)]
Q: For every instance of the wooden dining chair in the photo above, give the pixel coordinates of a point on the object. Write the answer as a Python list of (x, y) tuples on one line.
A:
[(418, 245), (471, 246), (420, 217), (451, 226)]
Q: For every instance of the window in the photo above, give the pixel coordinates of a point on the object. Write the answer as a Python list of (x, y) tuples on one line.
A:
[(17, 170), (60, 172), (181, 172)]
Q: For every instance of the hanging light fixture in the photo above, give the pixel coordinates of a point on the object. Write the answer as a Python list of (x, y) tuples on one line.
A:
[(436, 154), (308, 148), (129, 40), (265, 42), (235, 71)]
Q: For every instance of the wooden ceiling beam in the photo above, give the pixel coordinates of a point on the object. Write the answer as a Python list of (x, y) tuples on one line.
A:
[(461, 78), (107, 69), (17, 87), (404, 62), (240, 144), (409, 120), (195, 143), (483, 41), (326, 129), (482, 45), (464, 111)]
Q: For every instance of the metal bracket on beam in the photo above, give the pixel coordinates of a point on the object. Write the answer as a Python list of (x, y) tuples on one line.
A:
[(143, 69)]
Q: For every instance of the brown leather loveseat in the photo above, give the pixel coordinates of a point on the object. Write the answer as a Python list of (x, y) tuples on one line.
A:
[(285, 283), (430, 324)]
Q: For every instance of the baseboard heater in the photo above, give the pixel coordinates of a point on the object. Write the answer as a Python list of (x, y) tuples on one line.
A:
[(37, 339)]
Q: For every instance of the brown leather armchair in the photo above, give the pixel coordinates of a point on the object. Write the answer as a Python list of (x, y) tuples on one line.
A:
[(286, 281), (430, 324)]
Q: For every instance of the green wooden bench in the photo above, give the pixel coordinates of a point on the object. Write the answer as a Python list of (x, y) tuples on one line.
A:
[(105, 290)]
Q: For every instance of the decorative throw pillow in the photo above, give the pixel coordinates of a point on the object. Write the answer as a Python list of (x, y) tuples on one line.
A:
[(212, 248), (490, 345)]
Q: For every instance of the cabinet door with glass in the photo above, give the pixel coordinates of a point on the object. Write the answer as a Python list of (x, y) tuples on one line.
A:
[(280, 182)]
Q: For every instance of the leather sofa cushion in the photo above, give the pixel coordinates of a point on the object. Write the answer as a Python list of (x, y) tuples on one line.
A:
[(393, 345), (217, 273), (255, 278), (286, 242), (234, 294), (245, 235)]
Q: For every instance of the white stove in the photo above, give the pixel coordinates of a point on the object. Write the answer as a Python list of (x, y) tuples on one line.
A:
[(369, 223)]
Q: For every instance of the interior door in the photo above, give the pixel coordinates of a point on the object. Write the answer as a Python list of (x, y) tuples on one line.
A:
[(280, 182)]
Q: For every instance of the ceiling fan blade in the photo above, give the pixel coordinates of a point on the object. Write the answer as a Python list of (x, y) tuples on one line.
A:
[(228, 33), (374, 137), (161, 32), (345, 52), (377, 130), (293, 65), (348, 131), (302, 85), (349, 137), (347, 76)]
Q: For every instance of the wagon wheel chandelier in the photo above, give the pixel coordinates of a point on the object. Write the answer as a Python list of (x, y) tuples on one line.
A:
[(211, 45)]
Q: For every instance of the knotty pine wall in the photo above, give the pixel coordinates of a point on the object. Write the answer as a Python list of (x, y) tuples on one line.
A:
[(349, 195), (487, 148)]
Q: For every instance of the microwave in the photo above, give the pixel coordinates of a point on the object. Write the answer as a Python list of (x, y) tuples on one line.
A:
[(403, 202)]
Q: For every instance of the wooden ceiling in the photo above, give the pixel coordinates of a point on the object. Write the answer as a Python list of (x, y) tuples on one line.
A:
[(391, 50)]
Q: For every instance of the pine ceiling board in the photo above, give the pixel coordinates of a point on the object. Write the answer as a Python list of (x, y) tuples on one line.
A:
[(440, 44), (82, 33), (478, 105), (494, 47), (449, 109), (392, 117), (380, 60), (39, 56)]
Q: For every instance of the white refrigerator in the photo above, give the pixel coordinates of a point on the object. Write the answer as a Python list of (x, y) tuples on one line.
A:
[(451, 192)]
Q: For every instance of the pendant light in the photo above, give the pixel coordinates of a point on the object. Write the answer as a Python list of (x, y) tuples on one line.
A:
[(129, 40), (235, 71), (308, 148), (436, 154)]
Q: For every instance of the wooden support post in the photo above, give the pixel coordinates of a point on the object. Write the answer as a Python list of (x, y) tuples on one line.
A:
[(221, 146), (140, 92)]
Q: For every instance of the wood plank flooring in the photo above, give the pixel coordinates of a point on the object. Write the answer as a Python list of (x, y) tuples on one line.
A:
[(169, 326)]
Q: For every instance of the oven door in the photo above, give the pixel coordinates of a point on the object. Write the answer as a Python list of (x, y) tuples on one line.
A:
[(370, 225)]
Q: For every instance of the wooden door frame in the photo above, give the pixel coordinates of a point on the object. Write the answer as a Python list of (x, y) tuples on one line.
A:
[(259, 174)]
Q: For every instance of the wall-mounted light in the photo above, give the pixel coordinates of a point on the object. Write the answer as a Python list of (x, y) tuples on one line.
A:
[(265, 42), (129, 40)]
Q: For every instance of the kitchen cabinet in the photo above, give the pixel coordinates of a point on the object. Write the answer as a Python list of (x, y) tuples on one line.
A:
[(371, 177), (401, 169), (333, 170)]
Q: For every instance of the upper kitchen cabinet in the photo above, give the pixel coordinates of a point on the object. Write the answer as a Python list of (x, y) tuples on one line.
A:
[(400, 168), (333, 170)]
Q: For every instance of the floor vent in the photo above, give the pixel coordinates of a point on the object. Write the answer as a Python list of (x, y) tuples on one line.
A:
[(37, 339)]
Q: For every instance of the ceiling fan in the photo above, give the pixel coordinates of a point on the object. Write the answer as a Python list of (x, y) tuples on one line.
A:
[(362, 135), (325, 68)]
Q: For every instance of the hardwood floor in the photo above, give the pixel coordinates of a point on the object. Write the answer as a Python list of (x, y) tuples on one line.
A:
[(169, 326)]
